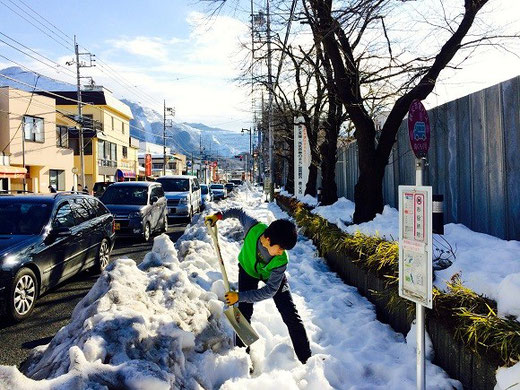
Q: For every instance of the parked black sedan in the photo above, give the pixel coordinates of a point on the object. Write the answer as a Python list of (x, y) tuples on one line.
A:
[(139, 208), (45, 239)]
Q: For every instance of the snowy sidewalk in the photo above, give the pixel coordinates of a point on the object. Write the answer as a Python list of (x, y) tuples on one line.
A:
[(158, 326)]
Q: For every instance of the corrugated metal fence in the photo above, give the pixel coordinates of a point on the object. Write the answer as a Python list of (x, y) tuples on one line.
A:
[(474, 161)]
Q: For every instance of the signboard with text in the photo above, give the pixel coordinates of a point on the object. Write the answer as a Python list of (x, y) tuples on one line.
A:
[(419, 129), (302, 157), (415, 244)]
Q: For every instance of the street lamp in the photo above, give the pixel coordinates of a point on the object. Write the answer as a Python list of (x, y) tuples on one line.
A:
[(251, 176)]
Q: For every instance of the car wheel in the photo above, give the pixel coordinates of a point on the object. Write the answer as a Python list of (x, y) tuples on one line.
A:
[(23, 295), (190, 215), (103, 256), (147, 232)]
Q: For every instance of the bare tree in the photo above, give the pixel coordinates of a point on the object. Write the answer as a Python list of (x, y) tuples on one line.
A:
[(353, 34)]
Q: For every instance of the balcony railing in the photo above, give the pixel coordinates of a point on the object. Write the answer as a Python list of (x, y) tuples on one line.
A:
[(107, 163)]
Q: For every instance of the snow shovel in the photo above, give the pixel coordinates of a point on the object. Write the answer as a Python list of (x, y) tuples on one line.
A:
[(241, 326)]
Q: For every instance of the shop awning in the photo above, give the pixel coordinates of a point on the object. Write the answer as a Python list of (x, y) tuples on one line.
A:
[(10, 172), (122, 174)]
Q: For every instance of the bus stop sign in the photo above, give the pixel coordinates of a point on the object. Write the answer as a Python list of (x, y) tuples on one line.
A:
[(419, 129)]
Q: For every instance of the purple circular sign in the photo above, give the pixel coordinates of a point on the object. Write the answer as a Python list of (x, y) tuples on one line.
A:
[(419, 129)]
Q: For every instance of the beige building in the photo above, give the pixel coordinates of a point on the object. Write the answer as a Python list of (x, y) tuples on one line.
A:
[(110, 154), (33, 143)]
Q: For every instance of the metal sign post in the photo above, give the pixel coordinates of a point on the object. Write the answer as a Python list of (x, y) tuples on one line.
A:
[(415, 233)]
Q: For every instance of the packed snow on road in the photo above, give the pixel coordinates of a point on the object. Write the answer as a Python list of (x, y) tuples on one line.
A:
[(159, 325)]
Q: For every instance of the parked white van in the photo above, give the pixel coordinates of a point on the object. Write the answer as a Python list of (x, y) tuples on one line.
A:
[(182, 194)]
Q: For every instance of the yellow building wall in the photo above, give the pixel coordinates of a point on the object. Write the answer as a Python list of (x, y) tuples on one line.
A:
[(40, 157), (116, 129)]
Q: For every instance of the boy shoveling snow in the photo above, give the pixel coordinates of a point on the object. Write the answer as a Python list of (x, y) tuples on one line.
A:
[(263, 257)]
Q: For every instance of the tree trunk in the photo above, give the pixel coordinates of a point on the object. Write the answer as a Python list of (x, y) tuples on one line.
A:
[(329, 189), (368, 194), (310, 188)]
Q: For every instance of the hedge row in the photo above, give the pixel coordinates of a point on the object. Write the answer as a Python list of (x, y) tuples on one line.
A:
[(472, 316)]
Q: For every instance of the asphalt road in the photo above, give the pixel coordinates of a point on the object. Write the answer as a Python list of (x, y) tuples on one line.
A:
[(53, 310)]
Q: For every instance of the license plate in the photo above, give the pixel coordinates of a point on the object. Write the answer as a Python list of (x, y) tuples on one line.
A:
[(118, 226)]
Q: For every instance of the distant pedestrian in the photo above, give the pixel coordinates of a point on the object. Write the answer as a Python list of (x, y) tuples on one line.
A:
[(52, 190)]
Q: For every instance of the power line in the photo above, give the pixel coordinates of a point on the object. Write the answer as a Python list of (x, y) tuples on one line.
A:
[(31, 23), (56, 28), (115, 77), (20, 125), (35, 52), (75, 101), (32, 71)]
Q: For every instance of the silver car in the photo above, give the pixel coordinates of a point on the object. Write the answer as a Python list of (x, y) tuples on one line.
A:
[(219, 191), (183, 195)]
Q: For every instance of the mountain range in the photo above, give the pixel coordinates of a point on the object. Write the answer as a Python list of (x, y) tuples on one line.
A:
[(147, 125)]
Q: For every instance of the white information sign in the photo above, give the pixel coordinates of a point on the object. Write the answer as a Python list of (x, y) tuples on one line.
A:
[(415, 244), (302, 157)]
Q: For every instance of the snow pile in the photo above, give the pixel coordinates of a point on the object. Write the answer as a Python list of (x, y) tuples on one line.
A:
[(146, 327), (159, 326)]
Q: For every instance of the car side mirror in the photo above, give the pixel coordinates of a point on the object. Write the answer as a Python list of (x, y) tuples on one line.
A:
[(57, 232), (154, 200)]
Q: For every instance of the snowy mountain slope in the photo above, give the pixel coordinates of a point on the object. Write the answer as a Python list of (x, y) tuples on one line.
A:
[(147, 124), (32, 79), (186, 137)]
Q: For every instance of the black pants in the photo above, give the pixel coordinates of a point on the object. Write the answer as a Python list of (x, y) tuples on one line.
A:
[(285, 305)]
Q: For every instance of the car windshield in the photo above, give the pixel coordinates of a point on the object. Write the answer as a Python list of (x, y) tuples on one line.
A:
[(175, 185), (204, 189), (132, 195), (23, 217), (217, 187)]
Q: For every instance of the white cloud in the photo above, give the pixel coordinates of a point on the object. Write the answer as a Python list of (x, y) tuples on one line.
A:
[(195, 74), (152, 47)]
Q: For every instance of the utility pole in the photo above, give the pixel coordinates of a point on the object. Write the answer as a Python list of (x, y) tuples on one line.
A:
[(270, 105), (167, 111), (248, 170), (80, 65)]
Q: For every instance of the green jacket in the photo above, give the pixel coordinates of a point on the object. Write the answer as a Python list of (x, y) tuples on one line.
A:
[(249, 260)]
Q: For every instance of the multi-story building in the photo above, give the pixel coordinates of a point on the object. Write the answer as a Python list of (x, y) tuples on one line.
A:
[(110, 154), (34, 147)]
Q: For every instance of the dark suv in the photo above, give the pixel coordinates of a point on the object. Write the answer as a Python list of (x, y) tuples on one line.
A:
[(45, 239), (139, 208)]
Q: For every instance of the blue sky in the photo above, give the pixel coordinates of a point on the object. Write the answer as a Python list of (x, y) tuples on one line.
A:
[(169, 50), (166, 49)]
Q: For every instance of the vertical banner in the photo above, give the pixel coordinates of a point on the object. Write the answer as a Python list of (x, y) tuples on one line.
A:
[(302, 157), (148, 164)]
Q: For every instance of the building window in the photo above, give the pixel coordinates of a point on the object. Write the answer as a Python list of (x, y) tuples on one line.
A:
[(101, 149), (57, 179), (87, 146), (125, 152), (113, 151), (113, 127), (62, 136), (107, 150), (123, 127), (33, 129)]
